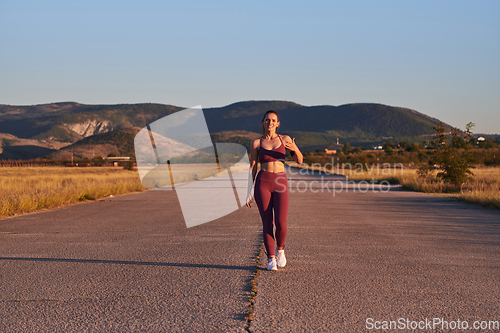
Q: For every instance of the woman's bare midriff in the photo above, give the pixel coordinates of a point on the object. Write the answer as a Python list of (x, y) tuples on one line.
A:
[(273, 166)]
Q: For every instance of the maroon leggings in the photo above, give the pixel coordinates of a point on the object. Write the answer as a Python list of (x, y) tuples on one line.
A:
[(271, 192)]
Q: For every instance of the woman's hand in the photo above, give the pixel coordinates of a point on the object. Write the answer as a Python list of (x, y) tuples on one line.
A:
[(290, 145), (249, 201)]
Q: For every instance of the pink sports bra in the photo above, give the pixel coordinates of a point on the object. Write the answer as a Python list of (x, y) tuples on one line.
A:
[(273, 155)]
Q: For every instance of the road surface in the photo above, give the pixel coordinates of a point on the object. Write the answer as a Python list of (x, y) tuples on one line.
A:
[(357, 257)]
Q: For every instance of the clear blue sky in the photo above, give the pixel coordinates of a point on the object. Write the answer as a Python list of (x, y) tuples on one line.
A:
[(441, 58)]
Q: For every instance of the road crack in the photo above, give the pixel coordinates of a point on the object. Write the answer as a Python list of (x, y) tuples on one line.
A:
[(253, 289)]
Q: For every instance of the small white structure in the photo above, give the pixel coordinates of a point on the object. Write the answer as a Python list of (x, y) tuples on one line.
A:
[(335, 147), (117, 158)]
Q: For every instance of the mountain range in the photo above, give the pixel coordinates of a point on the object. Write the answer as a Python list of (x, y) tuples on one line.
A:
[(63, 129)]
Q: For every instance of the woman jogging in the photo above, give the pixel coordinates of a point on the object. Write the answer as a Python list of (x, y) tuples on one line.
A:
[(271, 185)]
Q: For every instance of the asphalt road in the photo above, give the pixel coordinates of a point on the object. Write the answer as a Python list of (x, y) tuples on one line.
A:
[(129, 263)]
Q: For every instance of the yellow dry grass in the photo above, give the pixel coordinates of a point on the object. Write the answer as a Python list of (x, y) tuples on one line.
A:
[(27, 189), (484, 189)]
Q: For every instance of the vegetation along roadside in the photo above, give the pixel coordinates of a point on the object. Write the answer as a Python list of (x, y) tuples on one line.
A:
[(28, 189), (452, 164)]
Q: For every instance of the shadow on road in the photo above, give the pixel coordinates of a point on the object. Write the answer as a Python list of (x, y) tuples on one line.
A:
[(126, 262)]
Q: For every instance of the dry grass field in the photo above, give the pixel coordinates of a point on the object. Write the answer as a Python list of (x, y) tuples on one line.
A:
[(483, 190), (27, 189)]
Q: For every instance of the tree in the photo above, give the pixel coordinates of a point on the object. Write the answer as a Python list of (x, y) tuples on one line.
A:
[(388, 147), (454, 158), (489, 143), (404, 144), (414, 147), (347, 148)]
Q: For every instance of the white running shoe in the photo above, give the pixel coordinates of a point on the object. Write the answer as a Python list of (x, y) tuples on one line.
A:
[(280, 258), (272, 264)]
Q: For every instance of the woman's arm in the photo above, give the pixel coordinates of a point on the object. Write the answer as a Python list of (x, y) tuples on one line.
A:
[(290, 145), (252, 172)]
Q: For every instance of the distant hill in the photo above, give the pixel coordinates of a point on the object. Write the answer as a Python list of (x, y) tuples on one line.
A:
[(316, 125), (98, 130), (119, 143), (69, 122), (12, 147)]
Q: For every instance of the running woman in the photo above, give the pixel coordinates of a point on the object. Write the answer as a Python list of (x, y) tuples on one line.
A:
[(271, 185)]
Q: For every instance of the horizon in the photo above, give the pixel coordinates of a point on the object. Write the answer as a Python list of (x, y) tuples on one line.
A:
[(439, 59)]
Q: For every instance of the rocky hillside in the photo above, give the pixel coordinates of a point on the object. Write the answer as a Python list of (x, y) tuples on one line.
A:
[(98, 130)]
